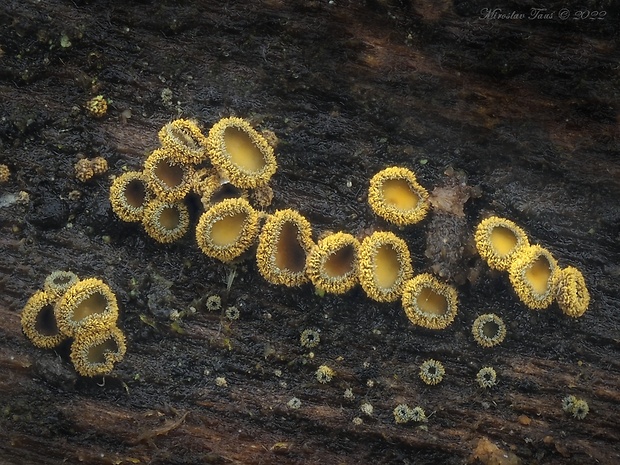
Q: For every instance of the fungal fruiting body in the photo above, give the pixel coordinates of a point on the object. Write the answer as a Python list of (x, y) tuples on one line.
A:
[(5, 174), (240, 153), (184, 141), (212, 189), (367, 409), (129, 194), (402, 413), (95, 352), (283, 246), (83, 170), (38, 320), (97, 106), (227, 229), (580, 409), (86, 169), (396, 196), (532, 275), (499, 241), (577, 407), (432, 372), (165, 221), (486, 377), (324, 374), (58, 282), (384, 266), (99, 165), (417, 414), (232, 313), (489, 330), (571, 292), (332, 264), (169, 179), (568, 402), (214, 303), (262, 196), (309, 338), (294, 403), (429, 303), (89, 306)]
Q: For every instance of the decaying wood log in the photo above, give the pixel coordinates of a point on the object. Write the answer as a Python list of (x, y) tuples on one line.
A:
[(501, 112)]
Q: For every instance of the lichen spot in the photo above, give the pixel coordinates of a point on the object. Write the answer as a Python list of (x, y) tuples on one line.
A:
[(93, 304), (340, 262), (227, 230), (503, 240), (398, 193), (289, 253), (242, 150), (538, 275), (387, 266), (169, 174)]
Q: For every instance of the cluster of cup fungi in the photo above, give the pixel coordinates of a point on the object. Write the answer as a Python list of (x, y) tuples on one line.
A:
[(230, 170), (84, 310), (536, 279)]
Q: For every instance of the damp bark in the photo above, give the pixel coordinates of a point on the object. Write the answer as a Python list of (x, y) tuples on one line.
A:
[(506, 114)]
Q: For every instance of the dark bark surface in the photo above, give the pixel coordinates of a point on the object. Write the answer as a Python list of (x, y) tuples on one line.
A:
[(524, 111)]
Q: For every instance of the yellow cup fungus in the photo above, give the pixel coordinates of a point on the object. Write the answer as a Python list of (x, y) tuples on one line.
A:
[(58, 282), (499, 241), (88, 306), (84, 310), (214, 189), (165, 221), (129, 194), (5, 174), (97, 106), (214, 303), (283, 247), (240, 153), (227, 229), (184, 141), (99, 165), (309, 338), (532, 276), (324, 374), (396, 196), (489, 330), (486, 377), (580, 409), (384, 266), (432, 372), (38, 320), (571, 292), (332, 264), (429, 303), (577, 407), (167, 178), (94, 353), (83, 170), (568, 402), (402, 413)]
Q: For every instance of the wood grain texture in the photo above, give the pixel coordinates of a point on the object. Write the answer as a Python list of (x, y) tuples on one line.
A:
[(524, 112)]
